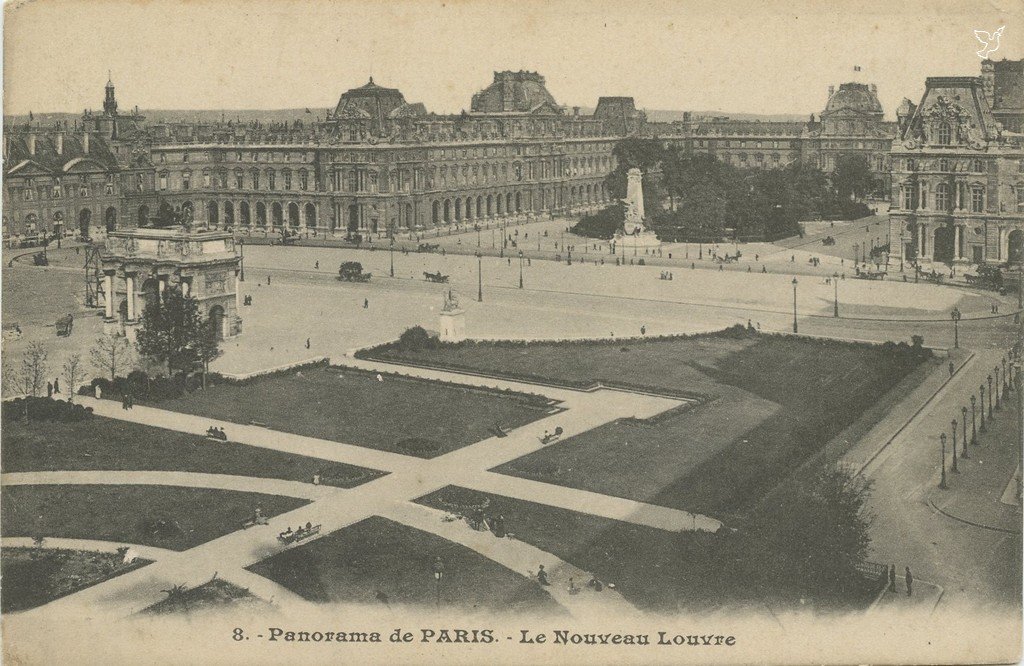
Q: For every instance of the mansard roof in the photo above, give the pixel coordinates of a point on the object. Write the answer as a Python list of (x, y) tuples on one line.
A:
[(959, 101), (520, 91), (46, 157), (854, 98)]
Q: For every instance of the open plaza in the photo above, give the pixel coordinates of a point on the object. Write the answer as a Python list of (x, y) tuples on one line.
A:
[(670, 432)]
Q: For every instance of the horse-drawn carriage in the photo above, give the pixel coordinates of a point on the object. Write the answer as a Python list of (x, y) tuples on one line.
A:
[(435, 277), (64, 325), (828, 240), (428, 247), (551, 437), (868, 275)]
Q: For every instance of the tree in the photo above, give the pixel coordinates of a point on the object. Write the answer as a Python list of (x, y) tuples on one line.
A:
[(29, 376), (73, 374), (811, 536), (852, 178), (173, 333), (110, 355), (646, 155)]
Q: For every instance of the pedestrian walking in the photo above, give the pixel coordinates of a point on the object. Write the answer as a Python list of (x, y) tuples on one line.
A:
[(307, 343), (366, 303), (542, 576), (910, 582), (317, 265), (56, 384), (49, 389), (951, 368), (268, 280), (892, 577)]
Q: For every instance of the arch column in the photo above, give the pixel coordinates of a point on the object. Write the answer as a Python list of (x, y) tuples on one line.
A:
[(108, 291), (129, 285)]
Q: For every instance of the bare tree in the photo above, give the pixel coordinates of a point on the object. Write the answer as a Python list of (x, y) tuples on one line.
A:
[(73, 374), (111, 355), (29, 376)]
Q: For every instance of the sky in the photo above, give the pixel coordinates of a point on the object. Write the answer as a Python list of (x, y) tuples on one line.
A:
[(742, 56)]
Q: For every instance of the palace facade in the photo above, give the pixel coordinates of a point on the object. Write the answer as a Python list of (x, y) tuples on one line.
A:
[(379, 164), (958, 174)]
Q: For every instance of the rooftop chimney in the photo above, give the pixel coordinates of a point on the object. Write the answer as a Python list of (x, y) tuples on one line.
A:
[(85, 142), (31, 144)]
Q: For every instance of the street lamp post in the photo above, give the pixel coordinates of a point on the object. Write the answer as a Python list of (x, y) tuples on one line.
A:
[(479, 278), (794, 305), (241, 261), (999, 393), (942, 479), (990, 397), (1006, 385), (391, 249), (478, 234), (981, 391), (974, 421), (835, 282), (954, 468), (955, 315), (963, 420), (520, 269)]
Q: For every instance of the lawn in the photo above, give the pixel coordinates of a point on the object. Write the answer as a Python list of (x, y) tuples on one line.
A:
[(33, 577), (353, 407), (108, 444), (655, 570), (162, 516), (767, 405), (380, 561)]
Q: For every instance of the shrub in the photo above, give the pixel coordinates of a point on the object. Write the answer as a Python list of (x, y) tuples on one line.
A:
[(43, 409), (416, 339)]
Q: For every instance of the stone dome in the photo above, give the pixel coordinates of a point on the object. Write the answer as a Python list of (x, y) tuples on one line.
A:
[(855, 97)]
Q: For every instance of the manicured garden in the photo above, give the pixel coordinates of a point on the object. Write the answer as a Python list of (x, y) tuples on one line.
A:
[(35, 576), (767, 404), (162, 516), (378, 561), (393, 413), (99, 443)]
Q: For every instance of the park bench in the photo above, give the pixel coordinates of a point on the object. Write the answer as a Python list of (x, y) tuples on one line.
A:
[(298, 535)]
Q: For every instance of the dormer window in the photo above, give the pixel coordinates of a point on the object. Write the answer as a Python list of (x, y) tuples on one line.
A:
[(944, 135), (943, 164), (57, 190)]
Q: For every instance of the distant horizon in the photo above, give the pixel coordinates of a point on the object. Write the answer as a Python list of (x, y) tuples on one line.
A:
[(765, 58)]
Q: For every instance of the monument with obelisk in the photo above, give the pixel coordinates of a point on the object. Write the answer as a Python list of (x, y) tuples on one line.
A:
[(633, 233)]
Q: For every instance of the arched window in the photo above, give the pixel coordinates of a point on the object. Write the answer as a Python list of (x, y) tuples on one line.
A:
[(977, 166), (944, 164), (944, 135)]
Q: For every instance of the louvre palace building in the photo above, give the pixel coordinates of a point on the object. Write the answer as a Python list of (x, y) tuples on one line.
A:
[(379, 164)]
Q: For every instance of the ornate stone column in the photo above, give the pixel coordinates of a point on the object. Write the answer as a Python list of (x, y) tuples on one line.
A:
[(129, 286), (108, 290)]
